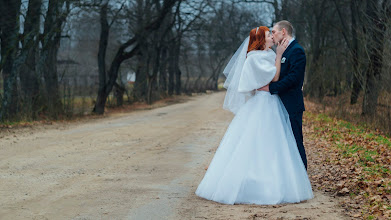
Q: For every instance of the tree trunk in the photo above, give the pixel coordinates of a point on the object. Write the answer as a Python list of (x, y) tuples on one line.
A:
[(375, 59), (185, 60), (357, 84), (119, 91), (314, 84), (140, 85), (55, 17), (9, 47), (150, 90), (178, 73), (113, 75), (163, 72), (1, 48), (103, 41), (28, 74), (277, 12), (197, 82), (356, 88), (178, 85), (152, 79), (171, 69)]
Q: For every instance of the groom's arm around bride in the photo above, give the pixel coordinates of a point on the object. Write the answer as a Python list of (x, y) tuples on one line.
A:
[(289, 86)]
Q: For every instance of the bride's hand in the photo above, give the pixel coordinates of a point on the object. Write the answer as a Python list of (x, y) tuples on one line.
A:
[(281, 46)]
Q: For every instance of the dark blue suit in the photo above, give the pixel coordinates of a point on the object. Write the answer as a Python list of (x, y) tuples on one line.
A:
[(289, 86)]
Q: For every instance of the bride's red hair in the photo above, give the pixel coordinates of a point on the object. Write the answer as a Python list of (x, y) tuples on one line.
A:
[(257, 40)]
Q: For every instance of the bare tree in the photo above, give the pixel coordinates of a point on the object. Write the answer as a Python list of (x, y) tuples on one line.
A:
[(9, 12), (56, 15), (377, 11), (133, 44), (29, 77)]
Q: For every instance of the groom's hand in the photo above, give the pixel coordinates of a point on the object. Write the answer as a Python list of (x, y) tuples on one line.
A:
[(265, 88)]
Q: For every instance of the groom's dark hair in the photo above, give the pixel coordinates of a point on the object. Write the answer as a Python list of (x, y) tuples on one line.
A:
[(287, 25)]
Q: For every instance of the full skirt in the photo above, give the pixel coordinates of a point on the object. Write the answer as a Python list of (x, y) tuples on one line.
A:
[(257, 161)]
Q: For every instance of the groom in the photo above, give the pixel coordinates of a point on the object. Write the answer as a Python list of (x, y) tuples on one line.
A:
[(289, 86)]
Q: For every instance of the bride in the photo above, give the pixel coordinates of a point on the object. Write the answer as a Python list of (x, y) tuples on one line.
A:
[(257, 161)]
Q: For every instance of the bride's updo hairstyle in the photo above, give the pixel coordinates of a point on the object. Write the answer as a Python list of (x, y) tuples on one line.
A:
[(257, 39)]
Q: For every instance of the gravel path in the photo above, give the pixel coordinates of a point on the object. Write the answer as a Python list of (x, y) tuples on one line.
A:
[(139, 165)]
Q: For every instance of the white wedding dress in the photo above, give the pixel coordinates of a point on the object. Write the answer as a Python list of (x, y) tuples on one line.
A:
[(257, 161)]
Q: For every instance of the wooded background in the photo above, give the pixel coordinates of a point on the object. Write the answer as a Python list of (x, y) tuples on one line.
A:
[(65, 57)]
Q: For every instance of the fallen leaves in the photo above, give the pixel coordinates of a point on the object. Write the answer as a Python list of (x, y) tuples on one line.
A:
[(343, 192), (351, 162)]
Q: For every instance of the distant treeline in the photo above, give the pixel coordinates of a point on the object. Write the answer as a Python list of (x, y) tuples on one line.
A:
[(55, 50), (50, 47)]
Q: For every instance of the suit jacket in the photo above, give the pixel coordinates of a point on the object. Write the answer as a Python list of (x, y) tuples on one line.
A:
[(290, 83)]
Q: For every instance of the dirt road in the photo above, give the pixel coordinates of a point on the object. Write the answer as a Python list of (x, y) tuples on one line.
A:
[(139, 165)]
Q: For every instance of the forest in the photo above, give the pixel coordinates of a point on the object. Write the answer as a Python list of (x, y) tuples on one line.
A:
[(61, 58)]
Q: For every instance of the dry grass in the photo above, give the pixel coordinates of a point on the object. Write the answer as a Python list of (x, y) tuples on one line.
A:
[(341, 108), (82, 108), (349, 161)]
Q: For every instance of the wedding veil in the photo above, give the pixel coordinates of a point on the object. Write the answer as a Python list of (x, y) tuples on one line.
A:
[(233, 98)]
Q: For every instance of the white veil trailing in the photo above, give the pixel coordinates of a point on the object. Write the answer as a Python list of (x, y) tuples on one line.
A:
[(233, 98), (245, 73)]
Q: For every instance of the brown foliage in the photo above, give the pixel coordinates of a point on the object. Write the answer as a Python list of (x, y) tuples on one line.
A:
[(349, 161)]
